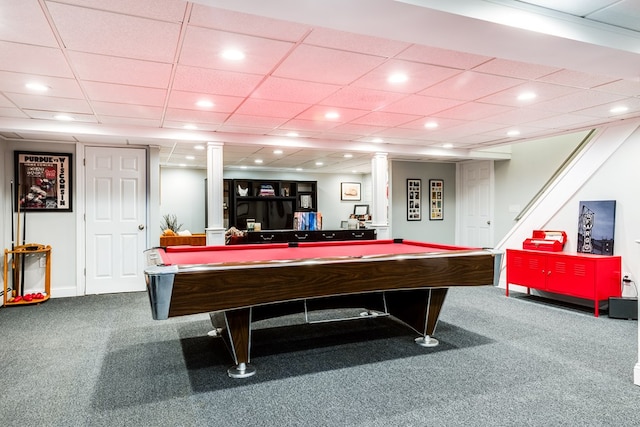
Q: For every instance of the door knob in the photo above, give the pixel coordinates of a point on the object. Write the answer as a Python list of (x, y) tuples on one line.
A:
[(488, 222), (141, 227)]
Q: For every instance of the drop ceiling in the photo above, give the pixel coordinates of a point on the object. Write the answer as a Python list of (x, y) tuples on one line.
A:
[(131, 72)]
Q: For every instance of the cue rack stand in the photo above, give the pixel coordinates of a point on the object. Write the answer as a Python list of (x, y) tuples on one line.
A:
[(20, 254)]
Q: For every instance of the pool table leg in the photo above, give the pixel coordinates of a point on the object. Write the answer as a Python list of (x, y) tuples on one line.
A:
[(420, 309), (239, 329)]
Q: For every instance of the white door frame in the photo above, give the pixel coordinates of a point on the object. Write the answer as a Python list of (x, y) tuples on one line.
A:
[(152, 194)]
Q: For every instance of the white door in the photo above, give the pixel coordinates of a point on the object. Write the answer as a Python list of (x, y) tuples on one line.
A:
[(476, 201), (115, 219)]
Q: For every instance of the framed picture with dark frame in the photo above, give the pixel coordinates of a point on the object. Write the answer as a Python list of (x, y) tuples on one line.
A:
[(414, 200), (42, 181), (350, 191), (436, 195)]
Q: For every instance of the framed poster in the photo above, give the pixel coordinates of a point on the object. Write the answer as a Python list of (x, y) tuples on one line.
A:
[(436, 194), (43, 181), (349, 191), (596, 227), (414, 197)]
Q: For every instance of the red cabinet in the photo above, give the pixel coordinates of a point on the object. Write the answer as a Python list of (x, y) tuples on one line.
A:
[(594, 277)]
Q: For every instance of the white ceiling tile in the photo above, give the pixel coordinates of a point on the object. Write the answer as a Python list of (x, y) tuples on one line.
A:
[(421, 105), (577, 8), (361, 98), (203, 47), (188, 100), (444, 57), (521, 70), (342, 40), (130, 121), (268, 108), (58, 105), (604, 110), (164, 10), (420, 76), (90, 30), (204, 127), (13, 113), (578, 101), (264, 122), (50, 115), (543, 92), (382, 118), (44, 61), (22, 21), (621, 87), (470, 86), (625, 14), (291, 90), (326, 65), (473, 111), (215, 82), (109, 69), (317, 113), (58, 87), (357, 129), (576, 79), (309, 126), (127, 110), (227, 20), (108, 92), (195, 117)]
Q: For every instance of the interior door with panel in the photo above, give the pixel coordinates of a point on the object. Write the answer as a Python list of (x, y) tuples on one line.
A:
[(115, 219)]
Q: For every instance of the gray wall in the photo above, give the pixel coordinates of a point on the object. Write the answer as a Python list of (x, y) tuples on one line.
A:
[(432, 231)]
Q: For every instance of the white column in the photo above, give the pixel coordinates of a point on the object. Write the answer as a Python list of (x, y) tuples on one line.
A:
[(215, 197), (380, 195), (636, 369)]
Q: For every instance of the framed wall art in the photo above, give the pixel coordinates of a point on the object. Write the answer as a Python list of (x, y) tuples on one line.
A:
[(349, 191), (414, 199), (436, 196), (43, 181)]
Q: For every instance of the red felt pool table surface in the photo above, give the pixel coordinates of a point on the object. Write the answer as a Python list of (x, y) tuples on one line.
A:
[(189, 255)]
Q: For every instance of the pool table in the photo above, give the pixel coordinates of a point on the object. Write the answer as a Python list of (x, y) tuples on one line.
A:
[(245, 283)]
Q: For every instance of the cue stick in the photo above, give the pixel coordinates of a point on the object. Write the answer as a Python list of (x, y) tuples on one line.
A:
[(13, 242), (15, 270), (24, 242)]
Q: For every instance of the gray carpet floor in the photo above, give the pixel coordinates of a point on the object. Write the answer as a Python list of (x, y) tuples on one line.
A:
[(518, 361)]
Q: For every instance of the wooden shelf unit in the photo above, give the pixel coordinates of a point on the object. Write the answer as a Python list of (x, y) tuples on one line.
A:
[(16, 254)]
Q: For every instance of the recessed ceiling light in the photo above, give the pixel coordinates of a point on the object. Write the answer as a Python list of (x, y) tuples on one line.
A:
[(526, 96), (513, 133), (319, 163), (398, 78), (277, 151), (198, 147), (348, 156), (618, 110), (292, 134), (64, 118), (448, 145), (377, 140), (190, 127), (354, 171), (182, 165), (37, 87), (258, 161), (233, 54), (331, 115), (431, 125), (243, 167), (190, 157), (204, 103), (298, 169)]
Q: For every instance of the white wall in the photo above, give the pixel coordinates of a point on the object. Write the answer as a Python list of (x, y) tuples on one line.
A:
[(57, 229), (182, 193), (518, 180)]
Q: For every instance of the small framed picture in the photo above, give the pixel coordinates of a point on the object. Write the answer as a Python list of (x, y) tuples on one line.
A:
[(349, 191), (414, 199), (436, 194)]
